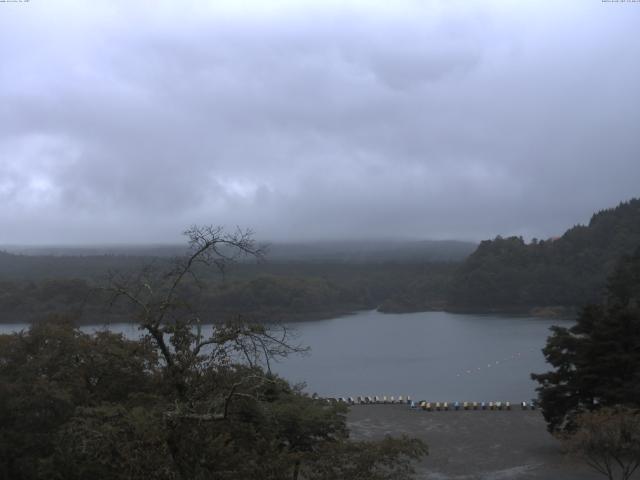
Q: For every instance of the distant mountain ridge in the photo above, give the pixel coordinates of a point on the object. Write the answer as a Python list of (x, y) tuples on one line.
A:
[(339, 251), (570, 271), (311, 279)]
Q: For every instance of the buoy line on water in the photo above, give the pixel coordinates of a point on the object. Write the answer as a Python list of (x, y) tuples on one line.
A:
[(495, 363), (432, 406)]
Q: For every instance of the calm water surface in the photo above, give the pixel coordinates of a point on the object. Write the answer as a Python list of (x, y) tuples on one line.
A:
[(432, 355)]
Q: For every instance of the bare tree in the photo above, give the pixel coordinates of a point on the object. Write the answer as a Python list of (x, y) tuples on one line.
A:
[(158, 295), (608, 440)]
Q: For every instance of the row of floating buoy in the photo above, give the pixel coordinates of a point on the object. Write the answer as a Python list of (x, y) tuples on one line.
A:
[(442, 406), (480, 369), (438, 406), (374, 400), (431, 406)]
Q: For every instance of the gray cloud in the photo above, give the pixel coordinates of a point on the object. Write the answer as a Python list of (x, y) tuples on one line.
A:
[(314, 120)]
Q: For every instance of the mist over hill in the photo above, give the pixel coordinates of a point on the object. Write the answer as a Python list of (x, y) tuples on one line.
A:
[(371, 251), (320, 279), (337, 251), (300, 281)]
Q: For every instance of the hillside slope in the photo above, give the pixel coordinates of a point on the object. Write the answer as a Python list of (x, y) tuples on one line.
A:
[(570, 271)]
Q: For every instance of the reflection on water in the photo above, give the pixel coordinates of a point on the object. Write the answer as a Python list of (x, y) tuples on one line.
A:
[(433, 355)]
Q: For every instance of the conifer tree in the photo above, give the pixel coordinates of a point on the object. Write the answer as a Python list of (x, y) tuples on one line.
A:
[(597, 361)]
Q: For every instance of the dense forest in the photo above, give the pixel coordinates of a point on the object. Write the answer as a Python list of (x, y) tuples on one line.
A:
[(276, 289), (569, 271), (310, 281)]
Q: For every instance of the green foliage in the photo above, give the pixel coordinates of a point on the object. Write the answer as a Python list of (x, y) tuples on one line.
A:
[(174, 404), (76, 406), (111, 441), (608, 440), (597, 361), (568, 271), (269, 297), (49, 371), (263, 292)]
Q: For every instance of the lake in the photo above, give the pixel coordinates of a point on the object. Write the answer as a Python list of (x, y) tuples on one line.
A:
[(430, 355), (436, 356)]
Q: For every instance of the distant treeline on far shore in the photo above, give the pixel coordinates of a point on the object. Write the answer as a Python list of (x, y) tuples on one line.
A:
[(321, 280)]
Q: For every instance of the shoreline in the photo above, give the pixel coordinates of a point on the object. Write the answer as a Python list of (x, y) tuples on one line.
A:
[(560, 313), (554, 311), (473, 444)]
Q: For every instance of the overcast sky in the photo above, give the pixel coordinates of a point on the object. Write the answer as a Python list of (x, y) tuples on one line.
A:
[(129, 121)]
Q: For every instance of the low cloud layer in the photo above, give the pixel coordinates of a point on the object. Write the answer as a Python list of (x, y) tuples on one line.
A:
[(127, 122)]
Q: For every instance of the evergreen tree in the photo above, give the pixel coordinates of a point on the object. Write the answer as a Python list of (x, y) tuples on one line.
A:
[(597, 361), (569, 271)]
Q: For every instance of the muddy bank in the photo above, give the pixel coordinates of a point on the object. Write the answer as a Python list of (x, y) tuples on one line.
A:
[(474, 445)]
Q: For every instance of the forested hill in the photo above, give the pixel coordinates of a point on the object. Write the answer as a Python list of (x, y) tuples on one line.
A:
[(371, 251), (570, 271), (95, 257), (303, 288)]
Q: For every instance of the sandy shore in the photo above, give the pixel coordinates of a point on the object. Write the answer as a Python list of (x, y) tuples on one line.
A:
[(474, 445)]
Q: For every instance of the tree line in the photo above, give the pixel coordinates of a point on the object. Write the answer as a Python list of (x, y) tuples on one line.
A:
[(591, 398), (504, 274), (175, 404), (262, 292), (569, 271)]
